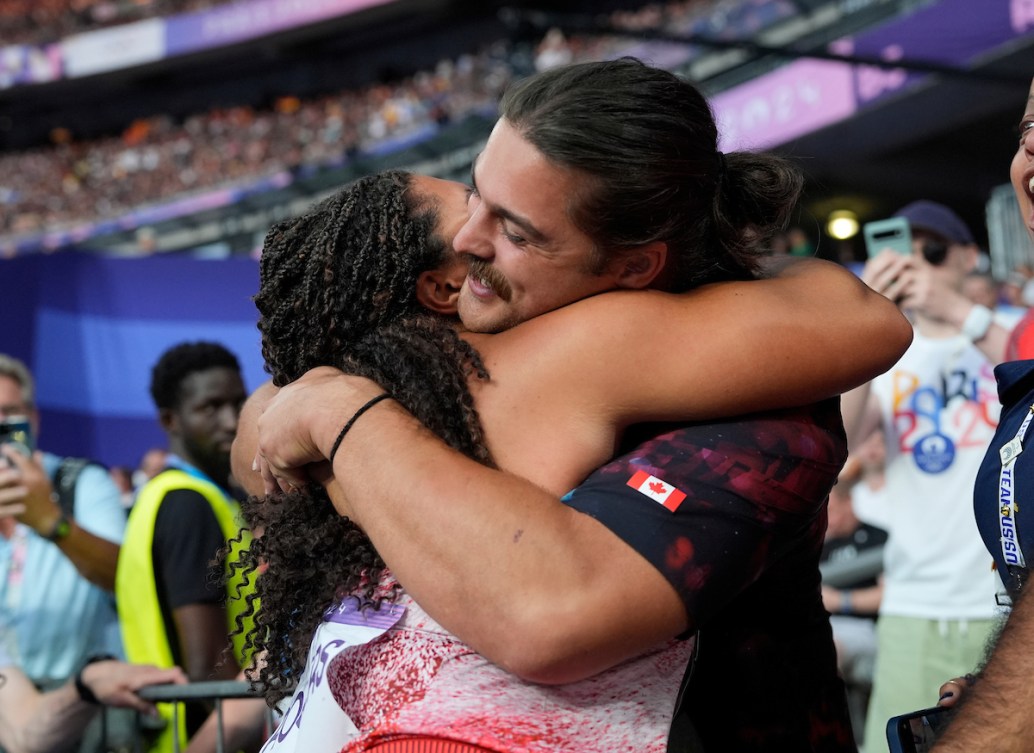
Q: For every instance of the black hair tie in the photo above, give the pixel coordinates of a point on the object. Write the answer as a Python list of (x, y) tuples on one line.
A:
[(720, 168), (355, 417)]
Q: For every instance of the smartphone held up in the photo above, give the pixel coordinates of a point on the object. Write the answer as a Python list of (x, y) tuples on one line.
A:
[(17, 432), (893, 233)]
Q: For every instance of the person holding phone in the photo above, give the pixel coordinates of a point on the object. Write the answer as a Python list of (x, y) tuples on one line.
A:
[(61, 523), (938, 409), (54, 561)]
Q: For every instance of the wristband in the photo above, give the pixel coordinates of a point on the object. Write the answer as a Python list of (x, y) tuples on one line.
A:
[(978, 321), (85, 694), (62, 527), (845, 602), (355, 417)]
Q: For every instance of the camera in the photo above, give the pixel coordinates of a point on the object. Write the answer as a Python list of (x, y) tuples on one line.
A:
[(17, 432)]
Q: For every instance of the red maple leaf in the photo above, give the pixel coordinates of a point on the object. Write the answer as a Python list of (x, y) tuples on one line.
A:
[(657, 487)]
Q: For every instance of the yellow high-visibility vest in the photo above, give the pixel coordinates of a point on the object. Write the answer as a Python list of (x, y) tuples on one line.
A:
[(136, 593)]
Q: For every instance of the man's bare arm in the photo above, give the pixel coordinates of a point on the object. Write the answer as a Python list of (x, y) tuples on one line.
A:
[(992, 714), (813, 332), (204, 642), (95, 558), (939, 308), (574, 597), (540, 589)]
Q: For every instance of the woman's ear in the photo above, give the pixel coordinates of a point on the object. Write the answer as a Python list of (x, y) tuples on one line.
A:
[(438, 289)]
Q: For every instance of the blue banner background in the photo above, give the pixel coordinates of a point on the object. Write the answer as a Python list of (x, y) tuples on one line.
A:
[(90, 329)]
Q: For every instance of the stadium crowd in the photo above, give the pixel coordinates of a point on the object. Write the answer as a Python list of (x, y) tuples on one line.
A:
[(896, 629), (157, 159), (38, 22)]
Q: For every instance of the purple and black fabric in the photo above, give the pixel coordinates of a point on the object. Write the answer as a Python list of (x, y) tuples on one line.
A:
[(742, 550)]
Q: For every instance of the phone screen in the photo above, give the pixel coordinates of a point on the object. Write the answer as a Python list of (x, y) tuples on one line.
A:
[(894, 234), (17, 431), (917, 732)]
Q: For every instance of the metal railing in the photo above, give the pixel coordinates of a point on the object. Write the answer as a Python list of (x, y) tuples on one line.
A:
[(215, 691)]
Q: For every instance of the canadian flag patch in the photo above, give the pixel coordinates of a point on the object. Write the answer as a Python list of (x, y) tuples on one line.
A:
[(657, 490)]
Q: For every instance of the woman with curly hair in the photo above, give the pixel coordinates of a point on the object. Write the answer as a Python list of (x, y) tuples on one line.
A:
[(354, 283), (345, 286)]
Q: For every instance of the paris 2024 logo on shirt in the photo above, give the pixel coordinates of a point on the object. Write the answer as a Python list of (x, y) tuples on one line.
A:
[(935, 422)]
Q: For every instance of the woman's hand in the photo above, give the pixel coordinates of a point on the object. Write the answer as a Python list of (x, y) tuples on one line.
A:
[(301, 422)]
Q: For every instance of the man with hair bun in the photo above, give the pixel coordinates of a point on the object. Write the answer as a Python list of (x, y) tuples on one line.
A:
[(599, 177)]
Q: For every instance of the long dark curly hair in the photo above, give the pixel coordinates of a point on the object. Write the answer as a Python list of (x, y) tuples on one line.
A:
[(338, 288)]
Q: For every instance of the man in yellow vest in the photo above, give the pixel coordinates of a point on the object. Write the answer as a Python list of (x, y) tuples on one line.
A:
[(171, 610)]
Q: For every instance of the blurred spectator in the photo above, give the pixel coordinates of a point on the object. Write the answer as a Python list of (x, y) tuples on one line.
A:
[(800, 243), (61, 521), (35, 722), (869, 490), (55, 555), (172, 612), (123, 478), (552, 51), (938, 409), (1012, 288), (152, 463), (981, 287), (853, 596)]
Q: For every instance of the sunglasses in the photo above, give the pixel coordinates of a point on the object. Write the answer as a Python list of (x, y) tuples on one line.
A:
[(935, 251)]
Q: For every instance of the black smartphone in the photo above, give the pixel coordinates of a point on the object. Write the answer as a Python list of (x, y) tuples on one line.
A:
[(916, 732)]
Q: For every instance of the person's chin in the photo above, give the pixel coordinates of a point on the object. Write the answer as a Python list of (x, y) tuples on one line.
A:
[(473, 310)]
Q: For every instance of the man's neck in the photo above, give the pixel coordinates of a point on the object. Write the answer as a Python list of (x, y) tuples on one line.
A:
[(201, 470), (934, 329)]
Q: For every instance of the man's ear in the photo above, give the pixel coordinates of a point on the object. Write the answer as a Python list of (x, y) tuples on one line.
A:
[(168, 420), (972, 257), (643, 266), (437, 290)]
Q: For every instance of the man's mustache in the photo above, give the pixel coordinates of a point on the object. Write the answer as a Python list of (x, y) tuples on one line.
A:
[(489, 276)]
